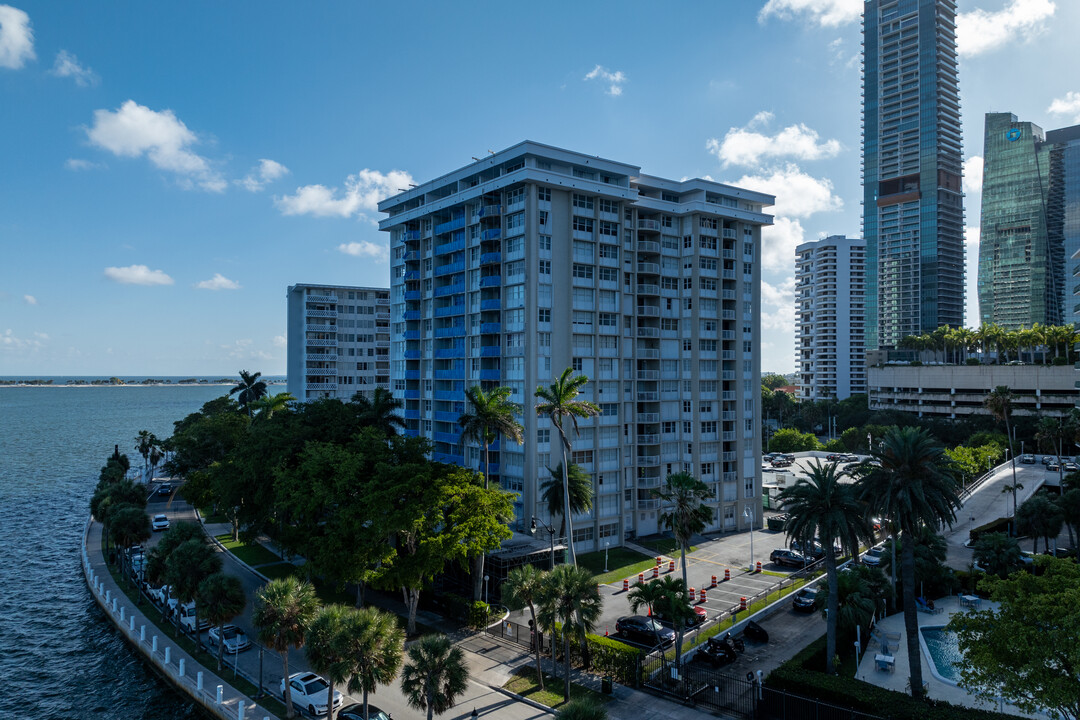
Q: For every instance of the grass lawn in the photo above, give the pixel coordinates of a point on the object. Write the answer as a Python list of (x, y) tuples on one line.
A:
[(664, 546), (250, 554), (210, 516), (622, 562), (524, 683)]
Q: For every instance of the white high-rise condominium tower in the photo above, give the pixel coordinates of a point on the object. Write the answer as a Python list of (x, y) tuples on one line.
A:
[(338, 341), (513, 268), (830, 287)]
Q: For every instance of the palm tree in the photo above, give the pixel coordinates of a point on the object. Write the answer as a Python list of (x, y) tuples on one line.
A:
[(221, 598), (489, 415), (858, 591), (327, 650), (157, 454), (248, 390), (284, 609), (999, 403), (553, 493), (1069, 506), (186, 567), (582, 709), (674, 606), (380, 411), (376, 644), (998, 553), (653, 596), (523, 588), (559, 401), (913, 486), (128, 525), (1039, 516), (267, 405), (570, 598), (435, 675), (820, 506), (684, 514), (143, 442)]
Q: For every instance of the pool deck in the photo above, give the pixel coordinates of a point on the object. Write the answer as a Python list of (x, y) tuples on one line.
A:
[(898, 678)]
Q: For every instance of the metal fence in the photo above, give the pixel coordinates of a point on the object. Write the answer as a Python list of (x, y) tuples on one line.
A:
[(705, 687), (515, 633)]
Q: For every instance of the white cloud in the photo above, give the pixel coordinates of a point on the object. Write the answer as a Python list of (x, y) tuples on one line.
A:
[(218, 282), (10, 342), (280, 341), (264, 173), (778, 243), (67, 65), (797, 194), (981, 30), (744, 146), (973, 174), (971, 245), (244, 349), (363, 191), (137, 275), (1068, 105), (778, 305), (135, 130), (29, 299), (78, 164), (16, 38), (826, 13), (616, 79), (366, 248)]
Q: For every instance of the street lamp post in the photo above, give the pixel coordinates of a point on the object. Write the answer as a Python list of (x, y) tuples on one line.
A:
[(551, 534), (486, 578), (607, 544), (748, 512)]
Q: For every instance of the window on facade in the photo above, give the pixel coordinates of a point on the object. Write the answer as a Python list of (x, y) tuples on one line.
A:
[(609, 251), (543, 435), (543, 194), (609, 229), (688, 345), (583, 201), (583, 271), (544, 221), (545, 267), (608, 320), (544, 242), (515, 222), (609, 206), (687, 406), (543, 315), (609, 274), (583, 321), (575, 363), (584, 225)]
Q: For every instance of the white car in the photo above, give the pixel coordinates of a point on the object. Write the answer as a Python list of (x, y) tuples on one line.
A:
[(159, 594), (309, 690), (873, 556), (160, 522), (187, 618), (235, 639)]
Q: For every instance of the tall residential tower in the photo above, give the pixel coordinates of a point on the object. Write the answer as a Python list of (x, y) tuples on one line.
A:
[(535, 259), (913, 211)]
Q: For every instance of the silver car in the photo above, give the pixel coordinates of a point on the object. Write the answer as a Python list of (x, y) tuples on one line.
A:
[(235, 639)]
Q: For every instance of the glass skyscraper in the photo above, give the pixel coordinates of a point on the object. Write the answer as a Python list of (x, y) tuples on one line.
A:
[(913, 210)]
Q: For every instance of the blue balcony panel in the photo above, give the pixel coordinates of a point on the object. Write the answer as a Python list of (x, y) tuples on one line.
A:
[(412, 274), (492, 304), (489, 211), (411, 394), (456, 331), (450, 225), (451, 395), (411, 432), (490, 328), (412, 294), (450, 247), (410, 315), (491, 281), (449, 353), (455, 374), (451, 289), (411, 414), (412, 374), (446, 437), (412, 354), (450, 310), (447, 416), (448, 458), (410, 335), (490, 375), (492, 234), (412, 235), (490, 258), (449, 268), (492, 468), (490, 351)]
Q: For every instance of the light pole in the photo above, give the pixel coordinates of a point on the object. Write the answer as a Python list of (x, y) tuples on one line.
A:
[(607, 544), (551, 534), (485, 588), (748, 512)]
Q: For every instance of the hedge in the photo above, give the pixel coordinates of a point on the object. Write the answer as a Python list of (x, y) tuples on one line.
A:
[(999, 525), (606, 657)]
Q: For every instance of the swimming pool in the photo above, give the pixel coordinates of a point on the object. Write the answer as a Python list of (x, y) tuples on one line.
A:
[(940, 646)]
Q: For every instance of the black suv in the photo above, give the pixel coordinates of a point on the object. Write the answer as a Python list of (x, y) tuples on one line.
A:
[(788, 557), (813, 550), (644, 630), (356, 712), (804, 600)]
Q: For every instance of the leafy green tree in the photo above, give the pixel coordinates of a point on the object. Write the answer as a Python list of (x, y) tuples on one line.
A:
[(523, 587), (1025, 650), (859, 592), (380, 411), (558, 402), (1069, 505), (1039, 516), (284, 609), (205, 437), (820, 506), (327, 649), (685, 513), (930, 553), (221, 598), (186, 567), (654, 596), (248, 390), (914, 485), (375, 645), (853, 439), (773, 380), (553, 493), (129, 525), (434, 676), (174, 537), (790, 440), (998, 553), (570, 598), (581, 709)]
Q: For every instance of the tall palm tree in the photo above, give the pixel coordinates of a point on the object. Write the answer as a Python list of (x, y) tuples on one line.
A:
[(685, 513), (1040, 516), (284, 609), (248, 390), (157, 454), (434, 675), (674, 606), (820, 505), (487, 416), (857, 600), (912, 486), (998, 553), (570, 598), (376, 644), (327, 649), (221, 598), (553, 492), (380, 411), (144, 441), (558, 402), (999, 403), (523, 588), (267, 405)]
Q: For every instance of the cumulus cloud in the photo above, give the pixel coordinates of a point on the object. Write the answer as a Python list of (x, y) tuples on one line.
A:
[(362, 192), (267, 171), (1067, 105), (137, 275), (78, 164), (29, 299), (280, 341), (67, 65), (218, 282), (16, 38), (797, 193), (826, 13), (778, 305), (244, 349), (134, 130), (778, 243), (746, 146), (10, 342), (981, 31), (973, 174), (366, 248), (615, 79)]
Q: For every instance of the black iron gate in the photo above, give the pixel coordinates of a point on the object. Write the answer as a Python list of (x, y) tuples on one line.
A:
[(516, 633), (700, 685)]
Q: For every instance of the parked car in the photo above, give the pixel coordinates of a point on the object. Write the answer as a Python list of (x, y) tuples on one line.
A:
[(355, 711), (644, 630), (1047, 458), (873, 556), (158, 594), (1053, 467), (788, 557), (716, 652), (804, 600), (165, 489), (235, 639), (187, 617), (834, 457), (1069, 466), (781, 463), (814, 550), (1027, 459), (160, 522), (310, 691)]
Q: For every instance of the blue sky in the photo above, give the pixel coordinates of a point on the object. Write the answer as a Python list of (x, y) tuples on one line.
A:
[(168, 169)]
